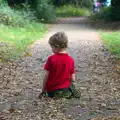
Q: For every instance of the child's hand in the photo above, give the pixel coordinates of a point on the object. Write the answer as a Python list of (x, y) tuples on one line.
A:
[(41, 95)]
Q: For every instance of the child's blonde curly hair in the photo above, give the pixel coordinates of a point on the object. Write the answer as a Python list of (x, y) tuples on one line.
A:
[(59, 40)]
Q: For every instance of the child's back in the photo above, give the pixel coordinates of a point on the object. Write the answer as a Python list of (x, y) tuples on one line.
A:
[(60, 67)]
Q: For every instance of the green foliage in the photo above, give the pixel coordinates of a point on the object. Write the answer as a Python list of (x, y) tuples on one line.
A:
[(16, 2), (84, 3), (15, 41), (2, 1), (95, 16), (45, 11), (115, 3), (60, 2), (111, 13), (15, 17), (107, 14), (71, 10), (81, 3), (27, 12), (104, 14), (112, 41), (115, 13), (5, 51), (10, 17), (115, 10)]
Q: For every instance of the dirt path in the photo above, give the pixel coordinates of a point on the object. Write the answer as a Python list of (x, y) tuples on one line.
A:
[(95, 75)]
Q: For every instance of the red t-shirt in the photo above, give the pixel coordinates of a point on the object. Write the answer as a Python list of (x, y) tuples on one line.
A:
[(60, 67)]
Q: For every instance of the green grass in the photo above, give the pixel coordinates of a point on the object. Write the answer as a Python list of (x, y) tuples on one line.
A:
[(112, 42), (14, 41), (71, 11)]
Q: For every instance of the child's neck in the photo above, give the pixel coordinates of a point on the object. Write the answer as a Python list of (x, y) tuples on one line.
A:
[(62, 51)]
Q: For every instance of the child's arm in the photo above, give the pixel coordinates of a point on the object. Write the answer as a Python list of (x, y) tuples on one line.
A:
[(73, 77), (45, 80), (44, 83)]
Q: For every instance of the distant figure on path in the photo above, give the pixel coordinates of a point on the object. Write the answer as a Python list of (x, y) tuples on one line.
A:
[(96, 6)]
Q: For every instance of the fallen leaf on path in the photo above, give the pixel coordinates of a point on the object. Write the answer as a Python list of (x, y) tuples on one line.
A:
[(27, 54), (11, 110)]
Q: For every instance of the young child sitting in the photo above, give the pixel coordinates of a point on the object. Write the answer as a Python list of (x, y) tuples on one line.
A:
[(59, 70)]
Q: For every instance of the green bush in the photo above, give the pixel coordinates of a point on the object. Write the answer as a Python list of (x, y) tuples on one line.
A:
[(5, 52), (2, 1), (45, 11), (80, 3), (20, 15), (111, 13), (84, 3), (14, 17), (11, 17), (27, 12), (116, 10), (107, 14), (115, 13), (104, 14), (71, 10)]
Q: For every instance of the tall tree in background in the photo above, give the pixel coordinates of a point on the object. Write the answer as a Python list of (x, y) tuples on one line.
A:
[(115, 9), (81, 3), (115, 3), (60, 2), (17, 2)]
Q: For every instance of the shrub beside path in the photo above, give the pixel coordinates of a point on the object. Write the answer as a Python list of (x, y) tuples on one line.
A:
[(95, 75)]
